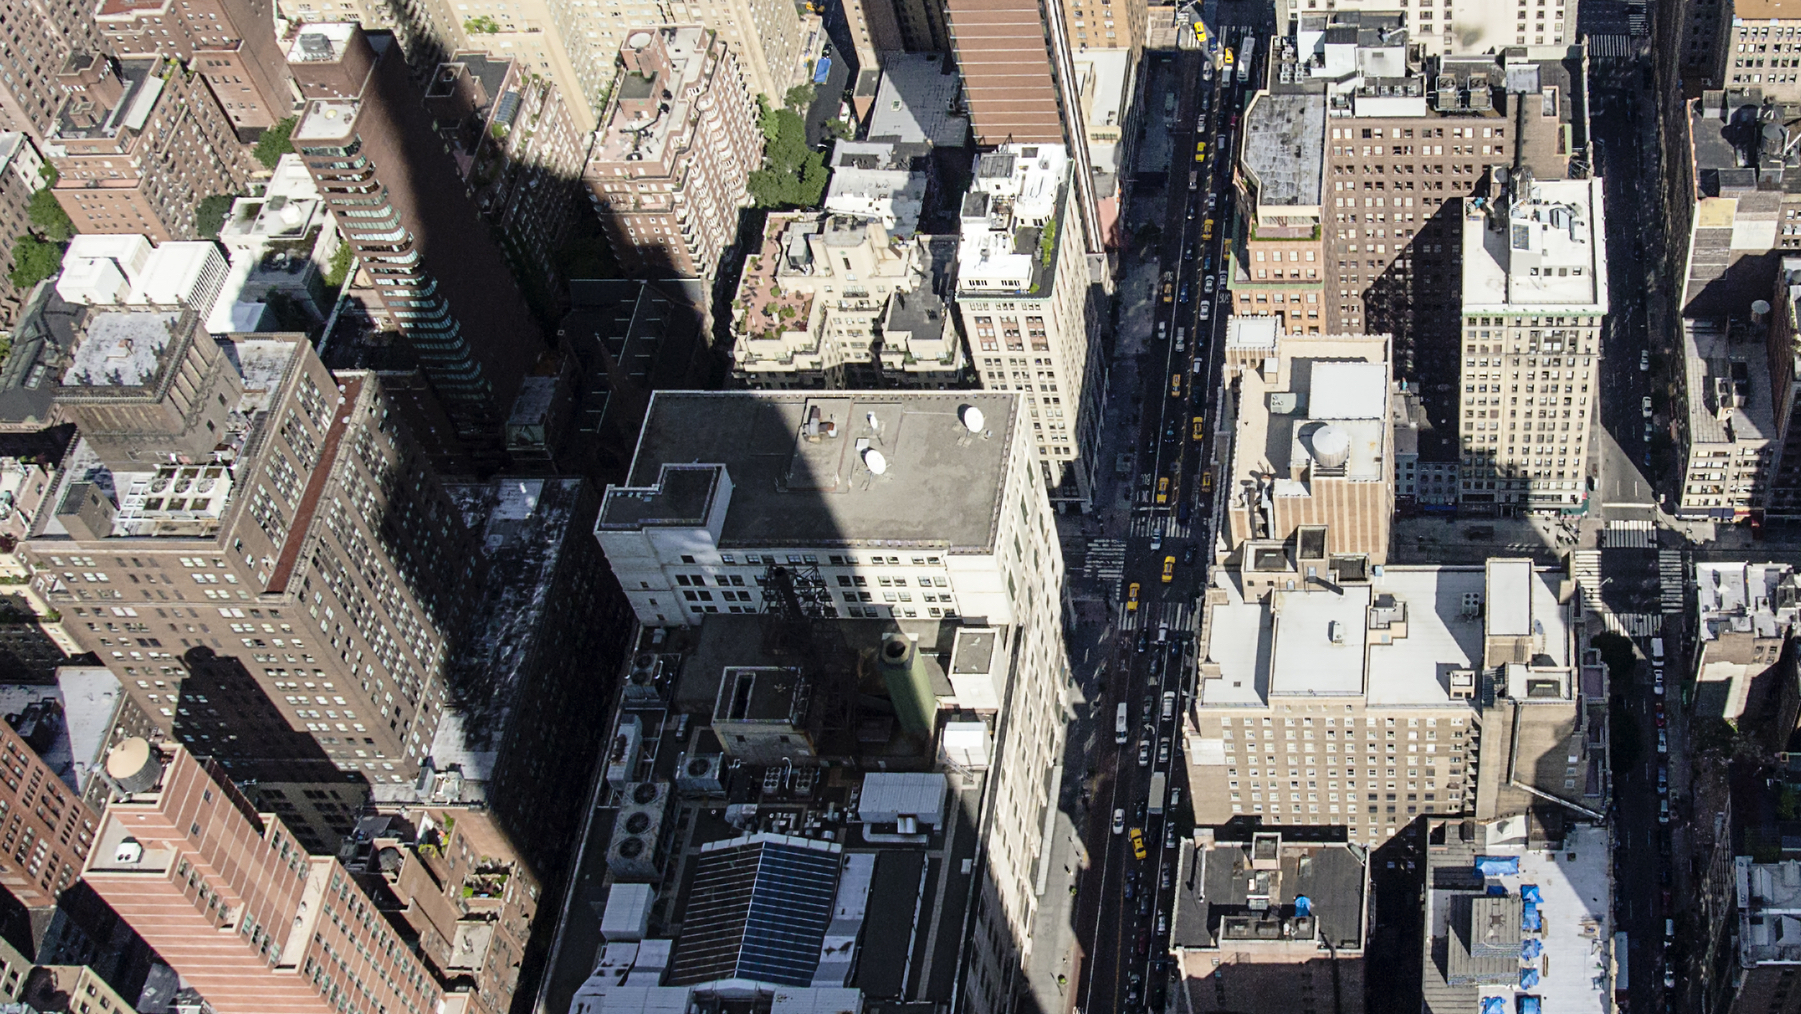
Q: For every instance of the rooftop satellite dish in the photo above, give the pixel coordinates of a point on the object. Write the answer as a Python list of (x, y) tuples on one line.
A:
[(972, 418), (875, 424), (876, 460)]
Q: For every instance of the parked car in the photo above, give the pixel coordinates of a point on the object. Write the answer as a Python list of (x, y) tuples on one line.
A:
[(1644, 360), (1645, 404), (1144, 754), (1206, 309)]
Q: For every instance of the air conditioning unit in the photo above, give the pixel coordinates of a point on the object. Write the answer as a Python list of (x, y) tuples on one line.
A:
[(634, 853), (624, 751), (701, 774), (641, 678), (130, 851)]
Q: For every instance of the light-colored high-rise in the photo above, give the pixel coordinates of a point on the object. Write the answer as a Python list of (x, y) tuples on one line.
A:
[(1534, 298), (1312, 447), (1459, 26), (1332, 693), (747, 502), (1027, 306)]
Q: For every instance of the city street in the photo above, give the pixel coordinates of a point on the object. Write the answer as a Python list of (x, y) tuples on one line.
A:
[(1158, 523)]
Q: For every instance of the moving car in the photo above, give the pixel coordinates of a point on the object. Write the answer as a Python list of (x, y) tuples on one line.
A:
[(1200, 427), (1183, 297), (1132, 597), (1169, 704), (1119, 821), (1188, 553), (1207, 285), (1645, 403), (1162, 330), (1144, 753), (1163, 489), (1206, 309), (1207, 229), (1644, 360), (1137, 844), (1163, 758), (1207, 481), (1169, 569), (1175, 384)]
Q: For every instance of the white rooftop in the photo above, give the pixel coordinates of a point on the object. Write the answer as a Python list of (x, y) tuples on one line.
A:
[(120, 348), (1550, 253), (1744, 598), (1348, 391), (1294, 651)]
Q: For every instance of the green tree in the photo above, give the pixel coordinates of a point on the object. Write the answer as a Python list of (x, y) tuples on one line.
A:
[(481, 24), (793, 175), (800, 97), (338, 271), (49, 218), (209, 216), (34, 260), (276, 142)]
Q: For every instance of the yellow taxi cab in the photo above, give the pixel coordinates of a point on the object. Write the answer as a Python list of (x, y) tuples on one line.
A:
[(1132, 598), (1200, 428), (1163, 489), (1206, 481), (1207, 229), (1169, 291), (1169, 569), (1200, 147), (1200, 156), (1175, 384), (1137, 844)]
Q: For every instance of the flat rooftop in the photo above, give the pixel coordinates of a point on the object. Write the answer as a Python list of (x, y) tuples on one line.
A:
[(917, 101), (939, 483), (326, 120), (1728, 374), (624, 135), (1769, 911), (120, 349), (1396, 640), (1284, 149), (1549, 252), (1276, 872), (1477, 936), (1760, 599)]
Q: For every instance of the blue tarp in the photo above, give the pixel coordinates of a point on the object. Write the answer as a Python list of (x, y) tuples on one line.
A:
[(1528, 1005), (1497, 866), (1530, 892), (823, 71), (1494, 1005), (1531, 949), (1497, 890), (1303, 905), (1529, 920), (1528, 978)]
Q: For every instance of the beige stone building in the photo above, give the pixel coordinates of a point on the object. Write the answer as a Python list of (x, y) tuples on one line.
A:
[(667, 176), (1028, 309), (1761, 47), (1534, 299), (1312, 448), (834, 301), (1364, 699), (1459, 26)]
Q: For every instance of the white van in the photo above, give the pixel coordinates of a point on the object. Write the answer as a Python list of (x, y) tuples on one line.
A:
[(1119, 725), (1657, 649)]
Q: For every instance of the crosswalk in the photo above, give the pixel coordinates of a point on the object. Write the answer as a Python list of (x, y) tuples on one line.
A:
[(1672, 576), (1633, 624), (1629, 535), (1148, 523), (1177, 616), (1105, 559), (1585, 567)]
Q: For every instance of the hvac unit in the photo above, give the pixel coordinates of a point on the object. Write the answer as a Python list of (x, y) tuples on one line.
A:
[(641, 678), (701, 774), (633, 853)]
